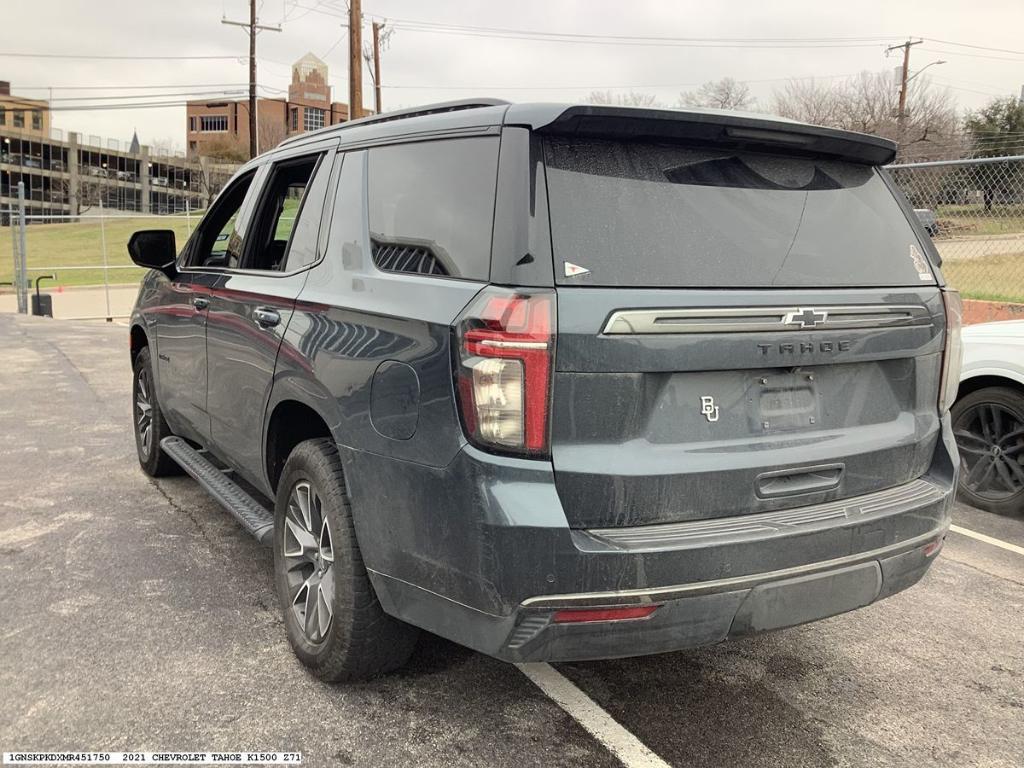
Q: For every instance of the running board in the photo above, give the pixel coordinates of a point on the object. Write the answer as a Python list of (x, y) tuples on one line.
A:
[(251, 515)]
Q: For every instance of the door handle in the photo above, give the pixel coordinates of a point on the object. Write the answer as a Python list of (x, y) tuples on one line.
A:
[(791, 482), (200, 303), (266, 318)]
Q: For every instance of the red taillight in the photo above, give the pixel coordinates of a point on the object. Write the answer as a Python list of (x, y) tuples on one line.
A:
[(934, 546), (505, 349), (603, 614)]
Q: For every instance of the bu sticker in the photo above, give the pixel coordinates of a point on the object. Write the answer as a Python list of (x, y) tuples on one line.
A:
[(919, 263), (708, 408), (574, 270)]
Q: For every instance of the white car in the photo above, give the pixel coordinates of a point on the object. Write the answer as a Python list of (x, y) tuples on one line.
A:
[(988, 417)]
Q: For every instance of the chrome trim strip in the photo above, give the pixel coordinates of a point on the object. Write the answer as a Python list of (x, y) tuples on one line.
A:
[(664, 594), (630, 322), (513, 344), (789, 521)]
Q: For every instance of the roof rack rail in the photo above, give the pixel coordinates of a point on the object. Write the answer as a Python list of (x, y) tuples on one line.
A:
[(402, 114)]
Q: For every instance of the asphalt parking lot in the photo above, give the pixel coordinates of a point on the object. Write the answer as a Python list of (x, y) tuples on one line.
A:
[(137, 615)]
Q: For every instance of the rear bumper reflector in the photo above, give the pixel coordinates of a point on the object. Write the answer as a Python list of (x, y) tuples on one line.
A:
[(603, 614)]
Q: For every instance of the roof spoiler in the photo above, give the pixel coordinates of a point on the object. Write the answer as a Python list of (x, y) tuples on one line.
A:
[(720, 129)]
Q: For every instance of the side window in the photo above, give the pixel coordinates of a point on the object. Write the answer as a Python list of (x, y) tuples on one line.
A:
[(432, 206), (287, 224), (221, 234)]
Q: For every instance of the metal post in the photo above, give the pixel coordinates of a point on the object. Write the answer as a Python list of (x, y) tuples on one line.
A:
[(103, 246), (23, 283), (15, 255), (188, 216)]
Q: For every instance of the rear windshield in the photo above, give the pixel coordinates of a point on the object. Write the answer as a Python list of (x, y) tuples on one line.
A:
[(666, 216)]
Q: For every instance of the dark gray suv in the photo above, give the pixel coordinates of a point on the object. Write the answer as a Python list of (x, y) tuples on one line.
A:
[(557, 382)]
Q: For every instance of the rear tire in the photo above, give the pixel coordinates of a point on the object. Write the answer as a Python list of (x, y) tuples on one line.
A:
[(335, 623), (148, 421), (989, 429)]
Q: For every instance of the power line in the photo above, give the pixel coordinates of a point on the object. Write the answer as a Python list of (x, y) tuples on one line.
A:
[(107, 107), (150, 95), (414, 25), (318, 8), (22, 55), (577, 87), (945, 84), (635, 38), (125, 87), (977, 47), (643, 43), (971, 55), (103, 105)]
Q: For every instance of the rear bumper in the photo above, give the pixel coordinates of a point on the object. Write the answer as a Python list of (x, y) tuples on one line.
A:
[(504, 577)]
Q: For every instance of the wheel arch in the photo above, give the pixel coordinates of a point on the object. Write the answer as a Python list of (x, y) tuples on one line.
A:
[(289, 422), (985, 379), (138, 339)]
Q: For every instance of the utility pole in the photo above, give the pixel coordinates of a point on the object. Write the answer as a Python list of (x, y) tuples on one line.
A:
[(355, 60), (376, 66), (901, 114), (253, 28)]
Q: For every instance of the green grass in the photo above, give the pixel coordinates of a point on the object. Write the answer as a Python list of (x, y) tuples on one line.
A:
[(993, 278), (990, 278), (965, 220), (79, 245)]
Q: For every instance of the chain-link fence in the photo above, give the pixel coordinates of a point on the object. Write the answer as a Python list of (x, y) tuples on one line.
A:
[(974, 211), (81, 261)]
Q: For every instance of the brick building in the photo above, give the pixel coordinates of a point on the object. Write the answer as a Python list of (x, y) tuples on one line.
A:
[(213, 126), (29, 117)]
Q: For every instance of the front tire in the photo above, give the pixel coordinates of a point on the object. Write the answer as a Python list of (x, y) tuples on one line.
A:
[(335, 623), (989, 428), (150, 427)]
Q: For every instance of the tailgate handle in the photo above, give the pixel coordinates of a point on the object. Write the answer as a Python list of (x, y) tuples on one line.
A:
[(791, 482)]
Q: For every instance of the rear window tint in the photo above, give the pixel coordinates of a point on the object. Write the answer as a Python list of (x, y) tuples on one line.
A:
[(434, 200), (667, 216)]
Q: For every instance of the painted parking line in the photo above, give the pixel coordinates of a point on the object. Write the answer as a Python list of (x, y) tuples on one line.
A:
[(624, 745), (987, 539)]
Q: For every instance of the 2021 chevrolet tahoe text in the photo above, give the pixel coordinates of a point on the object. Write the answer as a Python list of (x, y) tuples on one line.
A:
[(558, 382)]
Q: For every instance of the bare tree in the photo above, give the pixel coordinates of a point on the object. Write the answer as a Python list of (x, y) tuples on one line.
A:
[(165, 147), (719, 94), (630, 99), (271, 131), (869, 103), (226, 149), (810, 101)]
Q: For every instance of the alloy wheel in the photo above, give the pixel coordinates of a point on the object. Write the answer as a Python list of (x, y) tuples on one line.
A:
[(144, 412), (990, 437), (309, 561)]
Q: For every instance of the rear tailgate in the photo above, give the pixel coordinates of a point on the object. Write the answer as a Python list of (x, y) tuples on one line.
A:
[(663, 427), (751, 333)]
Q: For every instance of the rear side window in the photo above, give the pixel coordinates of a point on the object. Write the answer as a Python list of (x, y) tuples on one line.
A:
[(287, 224), (651, 215), (432, 206)]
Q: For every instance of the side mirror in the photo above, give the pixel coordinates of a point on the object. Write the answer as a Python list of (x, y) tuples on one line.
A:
[(154, 249)]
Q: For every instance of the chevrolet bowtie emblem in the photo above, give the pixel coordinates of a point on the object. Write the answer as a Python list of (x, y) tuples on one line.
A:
[(805, 318)]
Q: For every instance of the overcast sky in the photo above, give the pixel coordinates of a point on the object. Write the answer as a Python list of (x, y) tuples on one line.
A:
[(421, 66)]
